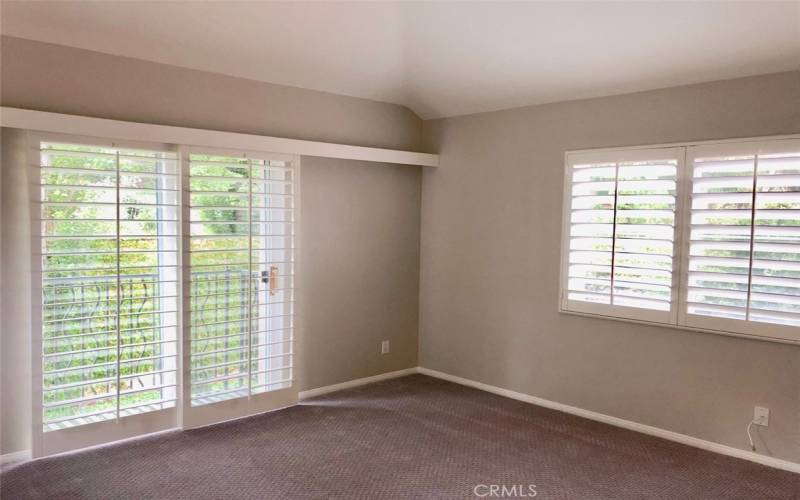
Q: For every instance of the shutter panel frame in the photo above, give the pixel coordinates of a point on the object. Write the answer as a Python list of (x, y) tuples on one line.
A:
[(747, 326), (632, 239), (280, 222), (140, 186)]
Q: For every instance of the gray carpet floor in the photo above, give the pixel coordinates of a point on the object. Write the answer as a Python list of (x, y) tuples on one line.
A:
[(413, 437)]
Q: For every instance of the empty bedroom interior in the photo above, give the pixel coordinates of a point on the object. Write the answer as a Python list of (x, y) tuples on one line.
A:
[(468, 289)]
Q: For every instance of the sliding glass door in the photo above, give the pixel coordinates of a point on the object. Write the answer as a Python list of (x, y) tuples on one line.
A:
[(163, 288), (107, 227), (239, 284)]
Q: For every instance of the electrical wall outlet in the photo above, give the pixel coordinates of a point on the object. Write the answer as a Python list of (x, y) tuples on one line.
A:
[(385, 347), (761, 416)]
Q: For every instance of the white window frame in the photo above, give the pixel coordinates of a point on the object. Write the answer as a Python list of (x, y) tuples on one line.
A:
[(678, 318)]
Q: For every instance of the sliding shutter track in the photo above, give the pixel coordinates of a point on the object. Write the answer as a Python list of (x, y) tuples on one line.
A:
[(241, 224), (109, 222)]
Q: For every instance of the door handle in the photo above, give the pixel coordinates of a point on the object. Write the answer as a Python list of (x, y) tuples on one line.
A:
[(273, 279)]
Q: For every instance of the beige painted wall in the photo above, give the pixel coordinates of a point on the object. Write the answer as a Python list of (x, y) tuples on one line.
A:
[(360, 265), (360, 221), (47, 77), (15, 296), (490, 245), (491, 225)]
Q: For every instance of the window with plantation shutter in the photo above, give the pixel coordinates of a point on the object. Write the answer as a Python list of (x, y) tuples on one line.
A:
[(743, 260), (109, 282), (704, 237), (621, 233)]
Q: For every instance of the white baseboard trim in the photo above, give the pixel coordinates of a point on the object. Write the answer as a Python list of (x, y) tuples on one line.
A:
[(25, 455), (620, 422), (10, 459), (319, 391), (15, 457)]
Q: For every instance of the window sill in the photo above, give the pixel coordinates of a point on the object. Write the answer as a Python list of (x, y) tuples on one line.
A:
[(763, 338)]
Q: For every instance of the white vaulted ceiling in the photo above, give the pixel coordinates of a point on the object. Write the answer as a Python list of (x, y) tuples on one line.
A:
[(438, 58)]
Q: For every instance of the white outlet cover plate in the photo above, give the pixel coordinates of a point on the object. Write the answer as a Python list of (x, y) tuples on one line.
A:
[(761, 416)]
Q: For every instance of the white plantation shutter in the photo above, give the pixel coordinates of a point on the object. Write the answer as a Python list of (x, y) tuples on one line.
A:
[(621, 233), (241, 276), (158, 271), (703, 237), (743, 261), (109, 282)]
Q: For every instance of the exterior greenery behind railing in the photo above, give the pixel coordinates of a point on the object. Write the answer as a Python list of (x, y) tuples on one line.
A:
[(81, 315)]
